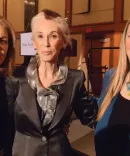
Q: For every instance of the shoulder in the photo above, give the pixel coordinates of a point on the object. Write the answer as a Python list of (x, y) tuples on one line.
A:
[(11, 86), (20, 71), (106, 83), (110, 72), (77, 76), (11, 83), (76, 73), (107, 77), (11, 79)]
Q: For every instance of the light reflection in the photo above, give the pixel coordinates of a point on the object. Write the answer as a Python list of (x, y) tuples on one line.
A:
[(29, 12), (29, 2)]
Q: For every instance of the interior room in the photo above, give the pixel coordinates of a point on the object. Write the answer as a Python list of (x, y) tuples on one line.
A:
[(96, 28)]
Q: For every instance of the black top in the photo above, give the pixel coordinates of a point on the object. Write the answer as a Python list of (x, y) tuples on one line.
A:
[(119, 126), (121, 112), (5, 131)]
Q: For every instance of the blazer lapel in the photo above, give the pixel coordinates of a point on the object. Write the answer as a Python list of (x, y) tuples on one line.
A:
[(29, 104), (65, 92)]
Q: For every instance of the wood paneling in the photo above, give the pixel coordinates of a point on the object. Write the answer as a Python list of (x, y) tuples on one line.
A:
[(68, 10), (99, 57), (15, 14), (126, 10), (3, 8), (117, 25), (56, 5)]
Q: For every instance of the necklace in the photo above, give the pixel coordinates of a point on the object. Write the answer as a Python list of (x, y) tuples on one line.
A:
[(128, 86)]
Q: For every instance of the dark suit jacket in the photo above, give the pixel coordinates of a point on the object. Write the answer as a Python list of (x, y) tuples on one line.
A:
[(5, 135), (29, 139)]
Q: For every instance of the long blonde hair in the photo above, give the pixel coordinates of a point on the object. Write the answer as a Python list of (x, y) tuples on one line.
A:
[(118, 77)]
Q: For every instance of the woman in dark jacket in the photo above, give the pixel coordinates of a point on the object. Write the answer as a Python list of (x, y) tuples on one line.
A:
[(7, 40), (43, 99)]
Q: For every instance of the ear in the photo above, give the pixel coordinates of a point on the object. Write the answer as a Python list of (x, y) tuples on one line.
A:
[(64, 44)]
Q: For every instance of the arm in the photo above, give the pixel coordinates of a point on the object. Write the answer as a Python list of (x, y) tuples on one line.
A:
[(11, 90), (85, 107)]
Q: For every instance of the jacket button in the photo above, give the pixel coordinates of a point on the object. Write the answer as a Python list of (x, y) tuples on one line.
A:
[(44, 139)]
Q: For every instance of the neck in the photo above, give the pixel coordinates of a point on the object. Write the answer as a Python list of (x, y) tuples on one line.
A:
[(48, 70)]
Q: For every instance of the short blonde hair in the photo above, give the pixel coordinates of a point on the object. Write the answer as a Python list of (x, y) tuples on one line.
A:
[(52, 15)]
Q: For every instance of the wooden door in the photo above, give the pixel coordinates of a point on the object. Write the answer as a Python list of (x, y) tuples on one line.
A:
[(98, 58)]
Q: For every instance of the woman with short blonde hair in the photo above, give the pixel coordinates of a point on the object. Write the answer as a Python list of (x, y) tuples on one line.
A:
[(48, 93)]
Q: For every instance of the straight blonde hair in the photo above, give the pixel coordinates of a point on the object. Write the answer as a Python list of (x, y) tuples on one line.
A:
[(118, 76)]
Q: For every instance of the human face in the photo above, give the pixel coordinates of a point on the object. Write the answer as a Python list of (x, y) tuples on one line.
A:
[(48, 40), (3, 44), (128, 42)]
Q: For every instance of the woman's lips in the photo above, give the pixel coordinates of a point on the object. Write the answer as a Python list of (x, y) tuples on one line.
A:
[(46, 52), (2, 52)]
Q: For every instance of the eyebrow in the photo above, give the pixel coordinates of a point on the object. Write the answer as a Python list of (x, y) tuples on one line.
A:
[(50, 32), (3, 37)]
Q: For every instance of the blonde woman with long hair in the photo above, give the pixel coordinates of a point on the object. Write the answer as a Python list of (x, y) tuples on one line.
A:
[(112, 136)]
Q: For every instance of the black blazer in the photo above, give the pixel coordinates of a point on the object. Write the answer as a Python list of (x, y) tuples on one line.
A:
[(29, 139), (5, 135)]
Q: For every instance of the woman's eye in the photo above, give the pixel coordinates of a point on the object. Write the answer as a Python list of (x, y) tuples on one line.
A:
[(40, 36), (54, 36), (3, 41)]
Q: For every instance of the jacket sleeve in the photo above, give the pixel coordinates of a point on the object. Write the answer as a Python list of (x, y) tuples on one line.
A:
[(85, 107), (106, 82), (11, 86), (12, 92)]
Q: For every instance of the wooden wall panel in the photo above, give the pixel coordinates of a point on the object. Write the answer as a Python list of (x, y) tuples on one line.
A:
[(80, 6), (1, 7), (126, 10), (104, 10), (98, 5), (15, 14), (91, 18), (56, 5), (74, 62)]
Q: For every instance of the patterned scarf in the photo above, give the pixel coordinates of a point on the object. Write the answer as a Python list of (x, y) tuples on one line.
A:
[(46, 97)]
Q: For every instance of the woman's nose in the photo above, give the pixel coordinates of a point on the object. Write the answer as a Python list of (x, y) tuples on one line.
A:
[(46, 42)]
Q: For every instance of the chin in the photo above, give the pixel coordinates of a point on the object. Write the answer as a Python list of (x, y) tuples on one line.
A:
[(1, 61), (48, 59)]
